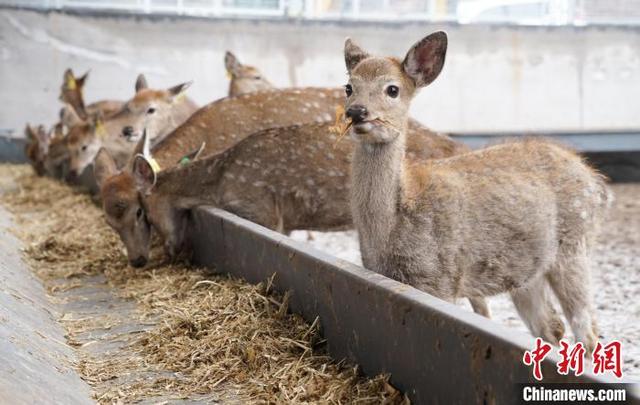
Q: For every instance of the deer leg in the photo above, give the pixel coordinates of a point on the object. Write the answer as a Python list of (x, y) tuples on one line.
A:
[(570, 281), (536, 310), (480, 307)]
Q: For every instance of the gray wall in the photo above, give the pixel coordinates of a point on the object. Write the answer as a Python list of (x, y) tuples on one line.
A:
[(496, 78)]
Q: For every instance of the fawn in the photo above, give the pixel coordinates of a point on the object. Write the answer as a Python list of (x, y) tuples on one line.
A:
[(244, 78), (72, 96), (159, 110), (510, 218)]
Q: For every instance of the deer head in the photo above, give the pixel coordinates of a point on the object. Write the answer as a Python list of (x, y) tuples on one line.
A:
[(380, 89), (149, 109), (244, 78), (122, 194), (83, 142)]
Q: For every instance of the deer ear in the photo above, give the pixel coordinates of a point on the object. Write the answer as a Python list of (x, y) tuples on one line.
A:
[(141, 83), (178, 90), (353, 54), (70, 82), (425, 59), (142, 147), (81, 81), (69, 114), (143, 174), (104, 167), (97, 121), (231, 63), (28, 131)]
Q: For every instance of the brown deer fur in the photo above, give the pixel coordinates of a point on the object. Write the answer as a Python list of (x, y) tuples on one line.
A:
[(244, 78), (510, 218)]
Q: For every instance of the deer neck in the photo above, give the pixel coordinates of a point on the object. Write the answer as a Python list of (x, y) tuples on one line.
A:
[(191, 185), (377, 183)]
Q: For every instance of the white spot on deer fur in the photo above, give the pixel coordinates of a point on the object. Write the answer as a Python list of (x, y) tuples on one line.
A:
[(229, 176), (242, 179), (327, 117), (322, 95), (310, 182), (259, 183)]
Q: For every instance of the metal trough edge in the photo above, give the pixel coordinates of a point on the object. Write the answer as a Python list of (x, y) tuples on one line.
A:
[(434, 351)]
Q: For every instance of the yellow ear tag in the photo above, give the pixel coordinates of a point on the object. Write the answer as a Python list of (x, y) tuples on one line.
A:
[(100, 130), (154, 165), (229, 75), (180, 97), (71, 83)]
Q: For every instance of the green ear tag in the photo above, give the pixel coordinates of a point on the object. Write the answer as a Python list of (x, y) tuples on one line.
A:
[(185, 161)]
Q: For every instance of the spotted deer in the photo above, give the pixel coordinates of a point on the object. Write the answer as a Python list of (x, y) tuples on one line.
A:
[(71, 94), (514, 218), (160, 111), (244, 78)]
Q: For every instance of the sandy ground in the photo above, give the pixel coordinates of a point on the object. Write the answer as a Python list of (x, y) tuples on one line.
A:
[(616, 276)]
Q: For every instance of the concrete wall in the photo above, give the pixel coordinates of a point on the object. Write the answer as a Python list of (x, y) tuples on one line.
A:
[(496, 78)]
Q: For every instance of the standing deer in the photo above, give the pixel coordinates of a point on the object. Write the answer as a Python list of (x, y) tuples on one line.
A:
[(244, 78), (71, 94), (158, 110), (509, 218)]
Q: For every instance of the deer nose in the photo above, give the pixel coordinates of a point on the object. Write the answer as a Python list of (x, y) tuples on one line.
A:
[(127, 131), (139, 261), (357, 113)]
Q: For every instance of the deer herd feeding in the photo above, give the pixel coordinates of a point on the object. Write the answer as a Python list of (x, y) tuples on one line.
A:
[(519, 217)]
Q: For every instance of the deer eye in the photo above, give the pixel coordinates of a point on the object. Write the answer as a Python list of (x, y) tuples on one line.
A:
[(393, 91), (84, 147), (257, 77), (348, 90), (151, 110), (139, 213)]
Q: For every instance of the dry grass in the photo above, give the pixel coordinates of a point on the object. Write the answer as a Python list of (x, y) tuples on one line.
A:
[(210, 336)]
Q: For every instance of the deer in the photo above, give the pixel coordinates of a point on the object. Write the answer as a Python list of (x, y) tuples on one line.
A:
[(160, 111), (36, 148), (244, 78), (71, 94), (517, 217), (46, 150)]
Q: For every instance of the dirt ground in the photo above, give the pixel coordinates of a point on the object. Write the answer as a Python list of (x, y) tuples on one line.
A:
[(616, 275)]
